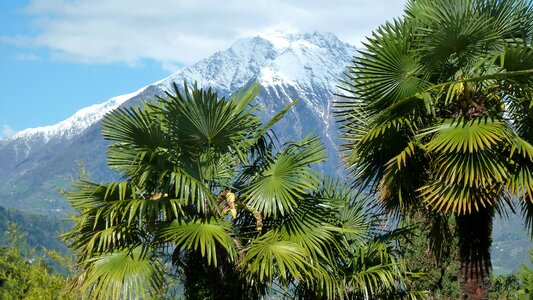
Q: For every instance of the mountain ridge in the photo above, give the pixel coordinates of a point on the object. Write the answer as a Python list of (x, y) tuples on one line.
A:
[(278, 43), (304, 66), (81, 119)]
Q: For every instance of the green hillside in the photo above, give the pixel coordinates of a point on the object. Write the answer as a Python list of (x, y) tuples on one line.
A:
[(41, 231)]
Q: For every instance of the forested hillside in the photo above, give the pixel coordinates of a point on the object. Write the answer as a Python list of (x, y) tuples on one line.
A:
[(41, 231)]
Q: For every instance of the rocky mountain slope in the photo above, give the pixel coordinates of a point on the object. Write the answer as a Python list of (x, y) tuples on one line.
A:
[(305, 66)]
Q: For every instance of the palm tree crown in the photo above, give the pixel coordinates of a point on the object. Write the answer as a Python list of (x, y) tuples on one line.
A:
[(168, 219), (438, 113)]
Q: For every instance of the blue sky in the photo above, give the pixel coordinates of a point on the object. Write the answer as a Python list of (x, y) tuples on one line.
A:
[(58, 56)]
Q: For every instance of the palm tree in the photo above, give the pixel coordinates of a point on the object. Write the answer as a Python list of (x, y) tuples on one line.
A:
[(370, 265), (437, 118), (166, 219)]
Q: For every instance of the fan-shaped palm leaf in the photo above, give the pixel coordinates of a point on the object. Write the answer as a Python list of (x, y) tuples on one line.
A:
[(140, 145), (309, 227), (199, 120), (270, 256), (446, 130), (389, 70), (99, 228), (374, 270), (286, 178), (122, 274), (175, 156), (467, 136), (204, 235)]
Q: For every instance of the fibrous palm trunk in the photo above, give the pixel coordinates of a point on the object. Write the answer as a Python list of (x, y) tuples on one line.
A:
[(475, 239)]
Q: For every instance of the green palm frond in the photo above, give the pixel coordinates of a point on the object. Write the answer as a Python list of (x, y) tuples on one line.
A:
[(175, 156), (270, 256), (308, 227), (461, 136), (356, 223), (85, 195), (199, 121), (481, 170), (384, 129), (139, 139), (116, 216), (94, 231), (354, 124), (122, 274), (275, 119), (367, 264), (387, 70), (458, 199), (352, 212), (408, 153), (520, 182), (375, 270), (193, 191), (453, 29), (402, 175), (286, 178), (469, 152), (513, 18), (467, 162), (521, 111), (468, 166), (456, 52), (516, 57), (526, 209), (378, 146), (457, 31), (437, 117), (519, 89), (207, 236)]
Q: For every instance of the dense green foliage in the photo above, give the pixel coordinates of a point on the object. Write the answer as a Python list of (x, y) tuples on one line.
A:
[(437, 123), (24, 274), (525, 277), (517, 285), (439, 275), (292, 231), (437, 120), (41, 231)]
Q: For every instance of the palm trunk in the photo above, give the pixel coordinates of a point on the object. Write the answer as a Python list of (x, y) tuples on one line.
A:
[(475, 239)]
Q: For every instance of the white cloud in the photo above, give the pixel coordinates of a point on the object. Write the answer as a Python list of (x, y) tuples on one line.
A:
[(6, 132), (27, 57), (176, 32)]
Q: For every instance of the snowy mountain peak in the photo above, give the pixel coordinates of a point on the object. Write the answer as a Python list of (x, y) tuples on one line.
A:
[(304, 66), (283, 62), (274, 59), (75, 124), (282, 40)]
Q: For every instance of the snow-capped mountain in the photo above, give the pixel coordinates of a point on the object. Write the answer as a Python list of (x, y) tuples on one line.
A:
[(30, 140), (75, 124), (301, 60), (304, 66)]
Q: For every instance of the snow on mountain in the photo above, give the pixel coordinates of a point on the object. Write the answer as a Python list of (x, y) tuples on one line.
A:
[(75, 124), (304, 66), (302, 60)]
